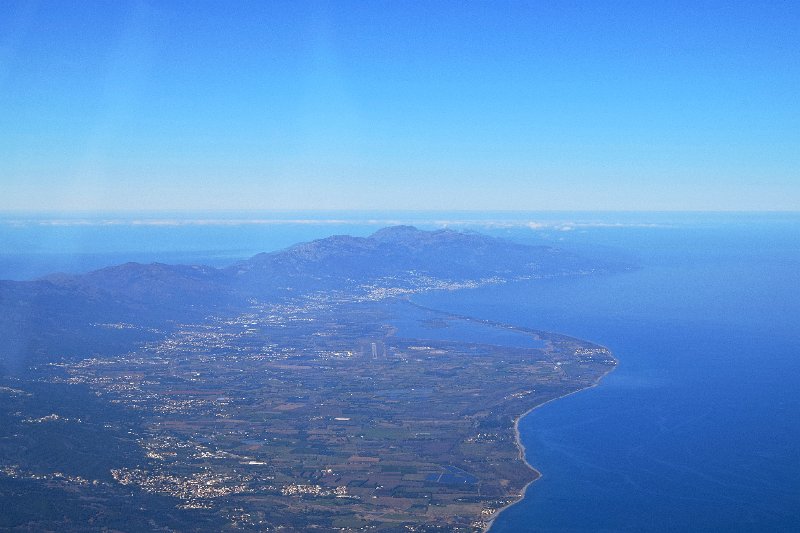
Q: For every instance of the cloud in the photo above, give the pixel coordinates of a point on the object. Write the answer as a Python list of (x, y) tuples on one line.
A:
[(415, 219)]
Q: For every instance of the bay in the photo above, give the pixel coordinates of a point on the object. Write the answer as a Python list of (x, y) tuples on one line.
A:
[(698, 428)]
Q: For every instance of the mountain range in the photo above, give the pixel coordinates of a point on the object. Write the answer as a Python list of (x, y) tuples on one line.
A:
[(56, 316)]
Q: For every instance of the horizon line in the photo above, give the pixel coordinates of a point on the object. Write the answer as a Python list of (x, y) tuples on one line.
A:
[(221, 211)]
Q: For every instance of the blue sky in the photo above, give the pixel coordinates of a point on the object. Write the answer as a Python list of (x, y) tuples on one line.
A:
[(400, 105)]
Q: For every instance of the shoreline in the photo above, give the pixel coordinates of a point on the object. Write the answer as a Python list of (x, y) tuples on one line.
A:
[(538, 334), (521, 447)]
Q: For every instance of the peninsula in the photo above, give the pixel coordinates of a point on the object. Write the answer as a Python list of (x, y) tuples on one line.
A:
[(298, 390)]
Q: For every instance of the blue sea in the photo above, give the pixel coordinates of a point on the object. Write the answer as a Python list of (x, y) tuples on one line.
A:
[(698, 429)]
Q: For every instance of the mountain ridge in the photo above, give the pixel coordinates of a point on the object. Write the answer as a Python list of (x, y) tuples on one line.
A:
[(43, 318)]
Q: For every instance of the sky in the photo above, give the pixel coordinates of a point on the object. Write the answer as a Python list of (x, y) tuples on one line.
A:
[(540, 105)]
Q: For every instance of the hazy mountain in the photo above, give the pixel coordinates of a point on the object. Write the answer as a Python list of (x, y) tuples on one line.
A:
[(401, 252), (54, 316)]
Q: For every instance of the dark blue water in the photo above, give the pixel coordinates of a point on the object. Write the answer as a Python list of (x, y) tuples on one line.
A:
[(699, 427)]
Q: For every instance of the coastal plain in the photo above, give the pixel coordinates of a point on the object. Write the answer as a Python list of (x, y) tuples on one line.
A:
[(321, 414), (325, 409)]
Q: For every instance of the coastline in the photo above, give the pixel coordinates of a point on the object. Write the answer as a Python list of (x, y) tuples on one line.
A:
[(521, 447), (538, 334)]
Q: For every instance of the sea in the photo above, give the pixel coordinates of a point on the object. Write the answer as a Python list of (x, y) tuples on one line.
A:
[(698, 428)]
